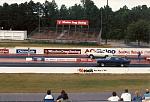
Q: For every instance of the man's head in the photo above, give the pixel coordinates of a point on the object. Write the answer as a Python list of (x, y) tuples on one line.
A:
[(126, 90), (147, 90), (114, 93), (48, 92), (63, 92)]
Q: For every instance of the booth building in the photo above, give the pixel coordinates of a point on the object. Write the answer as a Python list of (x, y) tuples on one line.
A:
[(13, 35)]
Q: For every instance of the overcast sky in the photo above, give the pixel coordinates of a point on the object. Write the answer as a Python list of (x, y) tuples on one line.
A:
[(114, 4)]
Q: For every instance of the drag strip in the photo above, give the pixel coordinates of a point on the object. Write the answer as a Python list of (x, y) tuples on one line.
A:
[(57, 61), (64, 64)]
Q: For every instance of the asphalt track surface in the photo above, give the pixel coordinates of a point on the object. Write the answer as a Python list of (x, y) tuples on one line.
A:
[(27, 64), (55, 64), (75, 97)]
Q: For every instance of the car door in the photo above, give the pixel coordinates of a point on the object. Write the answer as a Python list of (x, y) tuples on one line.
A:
[(111, 61), (115, 61)]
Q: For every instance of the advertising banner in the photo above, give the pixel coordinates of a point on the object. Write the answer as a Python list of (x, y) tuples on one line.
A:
[(117, 51), (25, 51), (60, 59), (99, 50), (4, 51), (73, 22), (62, 51), (86, 70), (133, 51)]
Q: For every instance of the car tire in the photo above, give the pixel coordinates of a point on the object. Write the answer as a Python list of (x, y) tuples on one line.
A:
[(91, 56), (106, 56), (122, 65), (102, 64)]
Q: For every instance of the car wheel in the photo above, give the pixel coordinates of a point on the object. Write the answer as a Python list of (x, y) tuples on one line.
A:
[(106, 56), (122, 65), (102, 64), (91, 56)]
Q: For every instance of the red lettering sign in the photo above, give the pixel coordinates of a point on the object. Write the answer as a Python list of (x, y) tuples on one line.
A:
[(4, 51), (73, 22)]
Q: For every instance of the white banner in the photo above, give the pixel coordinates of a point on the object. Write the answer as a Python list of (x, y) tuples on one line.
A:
[(118, 51), (79, 70), (76, 51)]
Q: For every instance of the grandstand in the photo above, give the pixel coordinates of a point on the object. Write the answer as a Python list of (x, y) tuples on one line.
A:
[(64, 35)]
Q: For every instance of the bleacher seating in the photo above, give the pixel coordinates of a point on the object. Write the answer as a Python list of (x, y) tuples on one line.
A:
[(66, 35)]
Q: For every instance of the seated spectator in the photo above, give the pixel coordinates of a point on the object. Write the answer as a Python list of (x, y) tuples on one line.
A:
[(61, 95), (49, 97), (146, 96), (137, 97), (126, 96), (64, 99), (114, 97)]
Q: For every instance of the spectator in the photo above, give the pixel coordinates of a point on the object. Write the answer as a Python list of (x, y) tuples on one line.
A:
[(114, 97), (49, 97), (126, 96), (146, 96), (137, 97), (61, 95), (64, 99), (139, 56), (126, 55)]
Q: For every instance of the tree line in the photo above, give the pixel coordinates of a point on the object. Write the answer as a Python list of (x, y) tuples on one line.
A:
[(124, 23)]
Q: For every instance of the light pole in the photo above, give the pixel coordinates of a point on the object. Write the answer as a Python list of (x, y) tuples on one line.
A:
[(106, 23), (39, 19), (101, 29), (39, 23), (39, 14)]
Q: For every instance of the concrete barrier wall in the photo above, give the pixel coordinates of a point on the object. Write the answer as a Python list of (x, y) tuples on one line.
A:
[(79, 70), (74, 51)]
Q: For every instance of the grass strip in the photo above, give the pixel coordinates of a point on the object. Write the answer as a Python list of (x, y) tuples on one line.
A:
[(73, 82)]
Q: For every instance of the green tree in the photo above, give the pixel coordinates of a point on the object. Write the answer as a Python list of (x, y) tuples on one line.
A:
[(52, 12), (139, 31), (4, 16), (120, 21), (76, 12), (64, 12), (107, 23), (91, 12)]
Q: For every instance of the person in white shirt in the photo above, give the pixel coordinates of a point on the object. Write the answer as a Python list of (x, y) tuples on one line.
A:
[(126, 96), (49, 95), (114, 97)]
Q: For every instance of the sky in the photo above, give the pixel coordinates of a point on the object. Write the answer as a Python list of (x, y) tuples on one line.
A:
[(114, 4)]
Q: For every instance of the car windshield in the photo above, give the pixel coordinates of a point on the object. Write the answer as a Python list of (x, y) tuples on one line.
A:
[(99, 51), (117, 58), (108, 58)]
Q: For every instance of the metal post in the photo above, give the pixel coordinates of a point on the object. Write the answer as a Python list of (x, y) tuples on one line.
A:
[(106, 23), (101, 20), (39, 18), (107, 2), (39, 24), (69, 31)]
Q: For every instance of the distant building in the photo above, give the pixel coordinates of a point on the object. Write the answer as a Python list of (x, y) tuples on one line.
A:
[(13, 35)]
